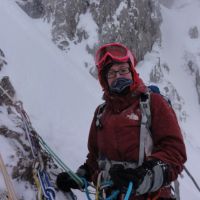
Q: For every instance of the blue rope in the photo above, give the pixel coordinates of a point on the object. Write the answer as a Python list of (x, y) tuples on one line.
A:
[(113, 195), (86, 188), (129, 190), (106, 184)]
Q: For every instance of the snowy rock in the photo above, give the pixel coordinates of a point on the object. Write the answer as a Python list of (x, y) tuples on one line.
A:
[(157, 77), (194, 33), (198, 84), (158, 71), (176, 100), (167, 3), (6, 89), (134, 23), (12, 129), (21, 163), (193, 69), (156, 74), (33, 8), (2, 59)]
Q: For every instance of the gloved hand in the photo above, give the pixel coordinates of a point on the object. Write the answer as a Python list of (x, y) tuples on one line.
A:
[(65, 182), (83, 171), (149, 177)]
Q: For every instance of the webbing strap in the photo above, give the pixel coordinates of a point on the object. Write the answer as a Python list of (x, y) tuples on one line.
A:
[(146, 141), (142, 139)]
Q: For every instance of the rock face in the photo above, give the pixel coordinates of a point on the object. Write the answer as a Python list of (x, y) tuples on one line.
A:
[(191, 66), (8, 91), (2, 59), (15, 127), (133, 22), (33, 8), (167, 89), (193, 32), (198, 84), (167, 3)]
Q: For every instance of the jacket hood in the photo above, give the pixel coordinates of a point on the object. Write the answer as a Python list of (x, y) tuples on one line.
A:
[(137, 82)]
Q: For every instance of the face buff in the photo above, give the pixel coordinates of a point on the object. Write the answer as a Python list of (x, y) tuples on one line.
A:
[(120, 85)]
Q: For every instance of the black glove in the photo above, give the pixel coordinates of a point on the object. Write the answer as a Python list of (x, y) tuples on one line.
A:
[(65, 182), (83, 171), (149, 177)]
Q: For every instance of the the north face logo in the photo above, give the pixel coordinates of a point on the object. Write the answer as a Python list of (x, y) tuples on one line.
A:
[(133, 116)]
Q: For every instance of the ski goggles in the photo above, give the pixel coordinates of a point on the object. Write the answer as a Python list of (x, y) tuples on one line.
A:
[(115, 51)]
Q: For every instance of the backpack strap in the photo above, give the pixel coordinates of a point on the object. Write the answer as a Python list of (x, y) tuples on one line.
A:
[(100, 110), (146, 142)]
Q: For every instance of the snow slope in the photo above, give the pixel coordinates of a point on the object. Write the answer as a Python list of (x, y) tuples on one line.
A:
[(60, 96), (175, 51)]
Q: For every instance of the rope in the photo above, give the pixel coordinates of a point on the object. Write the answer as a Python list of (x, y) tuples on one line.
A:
[(9, 186), (101, 186), (80, 181), (192, 178), (113, 195), (86, 189), (98, 185), (129, 190), (37, 183), (42, 180), (75, 177)]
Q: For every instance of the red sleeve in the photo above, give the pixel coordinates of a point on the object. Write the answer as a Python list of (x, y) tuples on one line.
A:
[(92, 148), (168, 140)]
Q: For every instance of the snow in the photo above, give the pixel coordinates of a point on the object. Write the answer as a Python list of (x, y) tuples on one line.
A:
[(60, 95), (177, 42), (58, 98), (91, 30), (115, 17)]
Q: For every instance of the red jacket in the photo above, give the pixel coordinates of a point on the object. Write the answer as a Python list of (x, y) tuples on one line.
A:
[(119, 138)]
